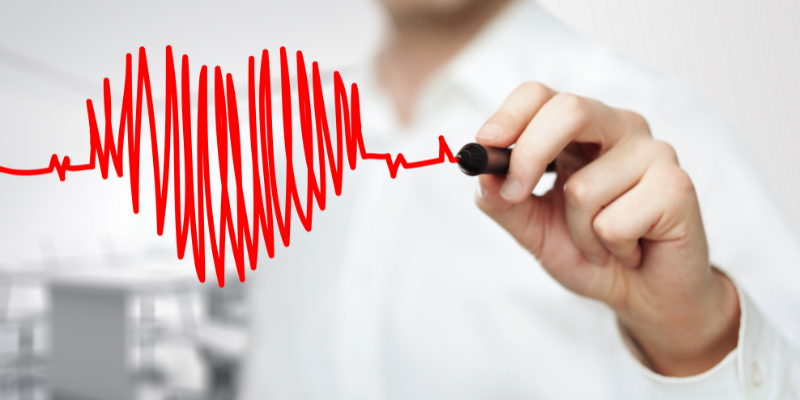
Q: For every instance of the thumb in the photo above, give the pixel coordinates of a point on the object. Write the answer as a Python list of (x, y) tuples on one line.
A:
[(526, 221)]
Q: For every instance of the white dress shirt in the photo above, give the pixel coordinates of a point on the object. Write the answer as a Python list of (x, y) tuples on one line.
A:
[(404, 289)]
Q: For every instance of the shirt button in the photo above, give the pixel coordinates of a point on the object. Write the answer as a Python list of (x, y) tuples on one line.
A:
[(755, 377)]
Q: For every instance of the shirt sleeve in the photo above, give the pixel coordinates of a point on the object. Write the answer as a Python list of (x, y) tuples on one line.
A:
[(763, 365)]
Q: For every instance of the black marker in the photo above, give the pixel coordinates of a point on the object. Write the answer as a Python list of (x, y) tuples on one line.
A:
[(474, 159)]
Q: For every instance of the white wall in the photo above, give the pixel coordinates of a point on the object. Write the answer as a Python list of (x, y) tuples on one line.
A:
[(742, 55)]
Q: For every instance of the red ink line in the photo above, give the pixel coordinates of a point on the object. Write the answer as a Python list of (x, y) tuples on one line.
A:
[(266, 200)]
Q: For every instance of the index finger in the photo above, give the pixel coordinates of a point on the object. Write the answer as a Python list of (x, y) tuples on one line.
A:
[(563, 119), (506, 125)]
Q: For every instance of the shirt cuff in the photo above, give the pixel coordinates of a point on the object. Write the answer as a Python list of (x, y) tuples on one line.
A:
[(762, 366)]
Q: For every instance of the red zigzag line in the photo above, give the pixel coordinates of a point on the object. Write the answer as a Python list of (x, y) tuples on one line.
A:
[(266, 200)]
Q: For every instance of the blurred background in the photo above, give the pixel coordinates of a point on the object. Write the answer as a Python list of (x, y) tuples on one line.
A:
[(76, 245)]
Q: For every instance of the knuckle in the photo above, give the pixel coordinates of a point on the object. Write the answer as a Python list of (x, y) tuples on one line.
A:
[(522, 158), (578, 192), (638, 122), (675, 179), (573, 105), (606, 230), (516, 109), (664, 150), (681, 200), (534, 88)]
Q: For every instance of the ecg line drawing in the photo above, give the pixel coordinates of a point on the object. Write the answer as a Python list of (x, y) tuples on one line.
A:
[(189, 219)]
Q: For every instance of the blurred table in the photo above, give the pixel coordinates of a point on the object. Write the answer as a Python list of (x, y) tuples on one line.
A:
[(90, 329)]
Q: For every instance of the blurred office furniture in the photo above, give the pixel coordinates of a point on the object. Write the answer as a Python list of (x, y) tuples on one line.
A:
[(91, 327), (89, 342), (222, 339), (219, 336), (23, 364), (109, 323)]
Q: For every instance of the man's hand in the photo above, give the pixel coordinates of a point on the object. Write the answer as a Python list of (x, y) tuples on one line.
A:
[(621, 225)]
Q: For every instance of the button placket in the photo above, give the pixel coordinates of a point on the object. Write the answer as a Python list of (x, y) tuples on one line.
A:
[(756, 376)]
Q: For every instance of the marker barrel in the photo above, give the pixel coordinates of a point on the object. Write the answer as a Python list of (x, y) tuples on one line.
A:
[(474, 159)]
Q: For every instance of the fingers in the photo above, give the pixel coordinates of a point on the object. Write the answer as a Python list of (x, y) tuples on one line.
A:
[(604, 154), (564, 119), (504, 127), (602, 181), (524, 221), (662, 207)]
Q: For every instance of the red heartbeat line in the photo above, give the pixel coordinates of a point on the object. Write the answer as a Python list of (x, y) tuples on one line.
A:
[(227, 128)]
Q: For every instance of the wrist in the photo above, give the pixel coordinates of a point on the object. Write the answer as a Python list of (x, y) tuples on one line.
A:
[(692, 337)]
